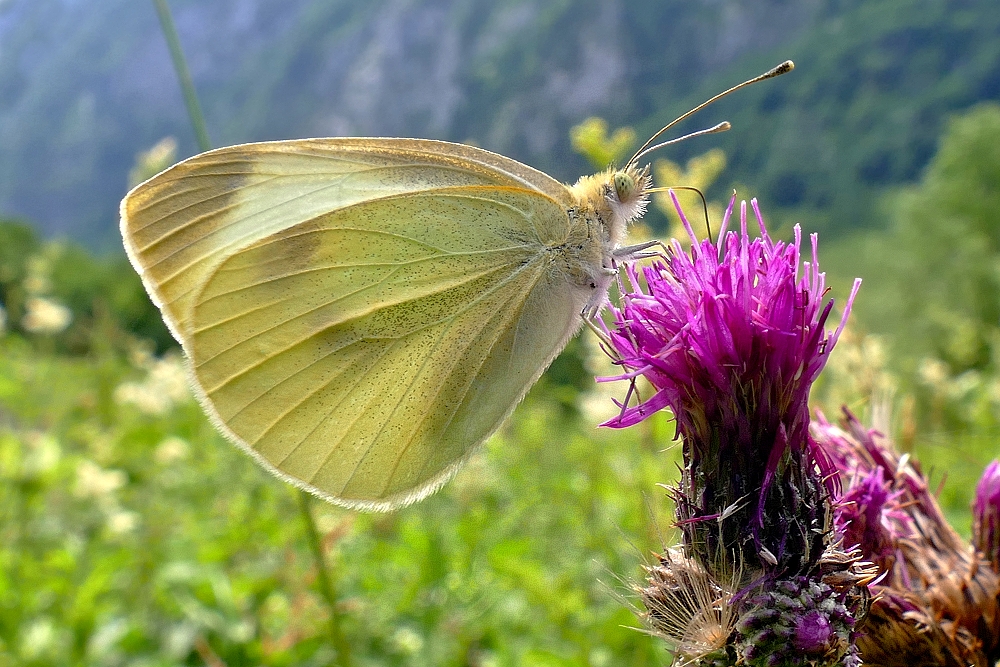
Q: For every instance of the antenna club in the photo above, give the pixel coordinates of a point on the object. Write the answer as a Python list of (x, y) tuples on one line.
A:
[(783, 68)]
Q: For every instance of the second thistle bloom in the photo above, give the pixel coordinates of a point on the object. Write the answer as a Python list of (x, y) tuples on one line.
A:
[(731, 336), (986, 515)]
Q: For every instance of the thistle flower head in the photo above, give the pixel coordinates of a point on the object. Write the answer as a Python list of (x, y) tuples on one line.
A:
[(937, 599), (986, 515), (731, 336), (733, 330), (867, 515)]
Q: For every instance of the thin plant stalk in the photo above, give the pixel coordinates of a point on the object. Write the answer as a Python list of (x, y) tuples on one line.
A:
[(324, 581), (201, 133), (183, 74)]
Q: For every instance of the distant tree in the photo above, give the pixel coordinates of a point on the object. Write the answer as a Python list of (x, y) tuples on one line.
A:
[(947, 243), (591, 140), (932, 283)]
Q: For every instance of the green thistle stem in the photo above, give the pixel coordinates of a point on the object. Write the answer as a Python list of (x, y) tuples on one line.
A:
[(183, 74), (326, 588)]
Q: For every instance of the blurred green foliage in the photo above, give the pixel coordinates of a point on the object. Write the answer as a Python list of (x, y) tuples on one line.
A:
[(947, 239), (700, 172), (131, 533), (930, 305), (105, 296), (933, 279), (591, 140)]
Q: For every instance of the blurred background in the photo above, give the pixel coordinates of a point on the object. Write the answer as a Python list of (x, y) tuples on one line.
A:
[(131, 534)]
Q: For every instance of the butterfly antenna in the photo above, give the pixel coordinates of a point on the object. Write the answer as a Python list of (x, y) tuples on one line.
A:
[(724, 126), (783, 68)]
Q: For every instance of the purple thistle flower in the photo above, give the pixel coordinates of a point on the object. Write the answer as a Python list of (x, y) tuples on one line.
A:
[(731, 337), (867, 515), (871, 510), (986, 515), (937, 600), (731, 317)]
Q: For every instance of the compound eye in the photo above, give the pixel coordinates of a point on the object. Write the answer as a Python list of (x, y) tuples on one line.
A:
[(624, 185)]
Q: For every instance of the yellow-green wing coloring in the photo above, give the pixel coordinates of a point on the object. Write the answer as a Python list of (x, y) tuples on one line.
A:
[(365, 352)]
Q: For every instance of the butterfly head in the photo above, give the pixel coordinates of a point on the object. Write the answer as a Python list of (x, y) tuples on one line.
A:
[(628, 192)]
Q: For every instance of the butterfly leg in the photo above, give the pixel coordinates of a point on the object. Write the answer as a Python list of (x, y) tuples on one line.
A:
[(588, 316), (631, 253)]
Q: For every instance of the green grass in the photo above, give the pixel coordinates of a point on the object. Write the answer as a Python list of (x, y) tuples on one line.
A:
[(128, 538)]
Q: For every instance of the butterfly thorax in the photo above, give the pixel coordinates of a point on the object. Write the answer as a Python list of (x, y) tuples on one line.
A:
[(605, 204)]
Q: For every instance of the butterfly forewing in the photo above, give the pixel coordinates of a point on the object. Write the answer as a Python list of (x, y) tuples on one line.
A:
[(181, 224)]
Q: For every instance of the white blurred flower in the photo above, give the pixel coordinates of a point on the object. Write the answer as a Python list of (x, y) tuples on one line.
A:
[(180, 639), (164, 386), (487, 658), (600, 656), (93, 481), (120, 522), (37, 280), (45, 316), (170, 450), (933, 372), (407, 640), (104, 640), (38, 639), (42, 454), (994, 391), (36, 284), (140, 353)]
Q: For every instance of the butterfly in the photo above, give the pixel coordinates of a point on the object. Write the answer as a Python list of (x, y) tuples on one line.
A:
[(360, 314)]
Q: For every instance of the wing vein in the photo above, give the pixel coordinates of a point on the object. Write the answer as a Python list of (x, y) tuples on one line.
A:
[(346, 346), (397, 266), (395, 408), (245, 222), (322, 420), (179, 211), (273, 176)]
